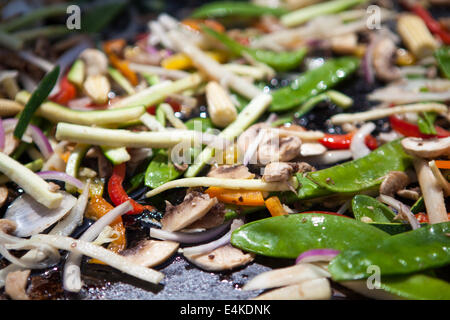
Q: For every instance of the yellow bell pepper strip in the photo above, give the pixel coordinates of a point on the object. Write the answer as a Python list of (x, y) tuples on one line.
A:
[(275, 207), (238, 197), (181, 61), (97, 208)]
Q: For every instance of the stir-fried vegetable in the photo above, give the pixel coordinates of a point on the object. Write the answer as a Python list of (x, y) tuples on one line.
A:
[(404, 253), (289, 236), (313, 82), (221, 9)]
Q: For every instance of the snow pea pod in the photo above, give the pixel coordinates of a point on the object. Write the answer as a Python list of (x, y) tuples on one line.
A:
[(415, 287), (290, 235), (313, 82), (280, 61), (404, 253), (221, 9), (365, 206), (363, 173), (160, 170)]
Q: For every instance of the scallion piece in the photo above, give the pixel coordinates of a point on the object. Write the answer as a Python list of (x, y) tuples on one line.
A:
[(36, 99)]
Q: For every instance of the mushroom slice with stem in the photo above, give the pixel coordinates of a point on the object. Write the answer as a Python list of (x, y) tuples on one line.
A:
[(394, 182), (194, 206), (150, 253), (432, 192), (235, 171), (430, 148)]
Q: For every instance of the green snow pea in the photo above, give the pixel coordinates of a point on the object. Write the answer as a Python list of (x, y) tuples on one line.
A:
[(313, 82), (160, 170), (280, 61), (365, 206), (363, 173), (221, 9), (418, 206), (415, 287), (290, 235), (409, 252), (442, 56)]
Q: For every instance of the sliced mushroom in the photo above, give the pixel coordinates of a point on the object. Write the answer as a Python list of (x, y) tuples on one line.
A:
[(430, 148), (316, 289), (303, 167), (275, 148), (235, 171), (410, 194), (383, 54), (96, 62), (215, 217), (277, 171), (223, 258), (393, 182), (433, 195), (249, 135), (150, 253), (194, 206), (312, 149), (16, 284), (345, 44)]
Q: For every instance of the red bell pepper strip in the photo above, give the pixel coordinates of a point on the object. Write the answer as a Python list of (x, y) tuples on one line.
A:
[(117, 193), (67, 92), (411, 130), (434, 26), (343, 141), (423, 217)]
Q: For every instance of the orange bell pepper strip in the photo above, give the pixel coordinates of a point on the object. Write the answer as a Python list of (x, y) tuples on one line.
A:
[(196, 24), (112, 49), (238, 197), (97, 208), (273, 204)]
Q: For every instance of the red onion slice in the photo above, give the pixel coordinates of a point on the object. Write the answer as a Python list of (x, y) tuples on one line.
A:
[(62, 176), (316, 255), (189, 238), (37, 136)]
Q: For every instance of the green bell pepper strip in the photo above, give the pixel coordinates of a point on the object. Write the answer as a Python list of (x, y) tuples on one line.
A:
[(160, 170), (280, 61), (290, 235), (363, 173), (409, 252), (39, 95), (442, 56), (365, 206), (221, 9), (313, 82)]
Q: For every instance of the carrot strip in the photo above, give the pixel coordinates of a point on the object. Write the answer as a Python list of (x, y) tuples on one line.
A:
[(442, 164), (238, 197), (273, 204)]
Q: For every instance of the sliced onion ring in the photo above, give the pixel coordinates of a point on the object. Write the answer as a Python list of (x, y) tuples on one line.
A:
[(37, 135), (316, 255), (62, 176)]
